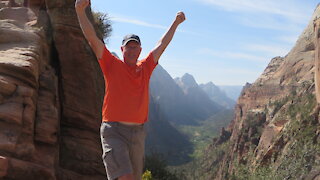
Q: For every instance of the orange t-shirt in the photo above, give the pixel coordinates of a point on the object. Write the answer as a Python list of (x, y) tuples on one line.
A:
[(127, 88)]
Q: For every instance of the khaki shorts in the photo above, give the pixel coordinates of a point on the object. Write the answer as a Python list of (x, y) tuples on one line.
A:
[(123, 149)]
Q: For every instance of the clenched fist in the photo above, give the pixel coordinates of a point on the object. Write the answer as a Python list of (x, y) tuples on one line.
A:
[(81, 4), (180, 17)]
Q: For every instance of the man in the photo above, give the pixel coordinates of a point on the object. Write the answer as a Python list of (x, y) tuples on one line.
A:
[(125, 107)]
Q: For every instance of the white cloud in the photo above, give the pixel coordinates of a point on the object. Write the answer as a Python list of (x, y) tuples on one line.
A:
[(289, 39), (146, 24), (289, 16), (137, 22), (268, 22), (271, 50), (233, 55), (285, 8)]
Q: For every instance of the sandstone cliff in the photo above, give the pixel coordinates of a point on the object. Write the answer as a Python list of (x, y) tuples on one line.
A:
[(51, 91)]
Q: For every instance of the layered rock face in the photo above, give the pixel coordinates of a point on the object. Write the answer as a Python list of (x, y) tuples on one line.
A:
[(51, 91), (275, 132)]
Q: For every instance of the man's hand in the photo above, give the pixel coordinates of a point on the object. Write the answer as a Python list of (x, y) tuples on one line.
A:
[(167, 37), (87, 28), (180, 17), (81, 5)]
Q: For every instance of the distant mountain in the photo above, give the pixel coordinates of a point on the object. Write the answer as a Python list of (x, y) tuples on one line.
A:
[(197, 100), (217, 95), (165, 139), (172, 104), (186, 81), (169, 96), (184, 104), (232, 92)]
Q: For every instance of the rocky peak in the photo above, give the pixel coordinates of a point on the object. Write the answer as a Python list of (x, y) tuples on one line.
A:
[(211, 87), (186, 81), (190, 103), (217, 95)]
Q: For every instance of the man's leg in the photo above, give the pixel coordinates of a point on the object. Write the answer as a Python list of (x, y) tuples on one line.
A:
[(115, 151), (136, 151), (136, 140)]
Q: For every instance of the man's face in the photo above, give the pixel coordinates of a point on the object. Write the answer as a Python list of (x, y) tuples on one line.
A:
[(131, 52)]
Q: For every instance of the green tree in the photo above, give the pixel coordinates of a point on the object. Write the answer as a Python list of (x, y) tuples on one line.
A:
[(158, 168), (102, 24), (147, 175)]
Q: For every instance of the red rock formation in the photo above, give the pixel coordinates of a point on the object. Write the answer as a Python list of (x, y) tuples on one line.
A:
[(50, 96)]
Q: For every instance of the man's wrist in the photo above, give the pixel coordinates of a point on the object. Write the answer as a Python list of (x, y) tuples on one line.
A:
[(176, 22), (80, 11)]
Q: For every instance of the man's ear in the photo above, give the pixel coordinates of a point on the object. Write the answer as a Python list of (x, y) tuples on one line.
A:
[(121, 48)]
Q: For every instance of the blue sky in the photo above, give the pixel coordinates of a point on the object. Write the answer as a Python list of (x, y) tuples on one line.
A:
[(228, 42)]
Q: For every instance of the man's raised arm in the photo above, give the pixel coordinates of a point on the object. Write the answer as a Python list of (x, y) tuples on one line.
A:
[(167, 37), (96, 44)]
